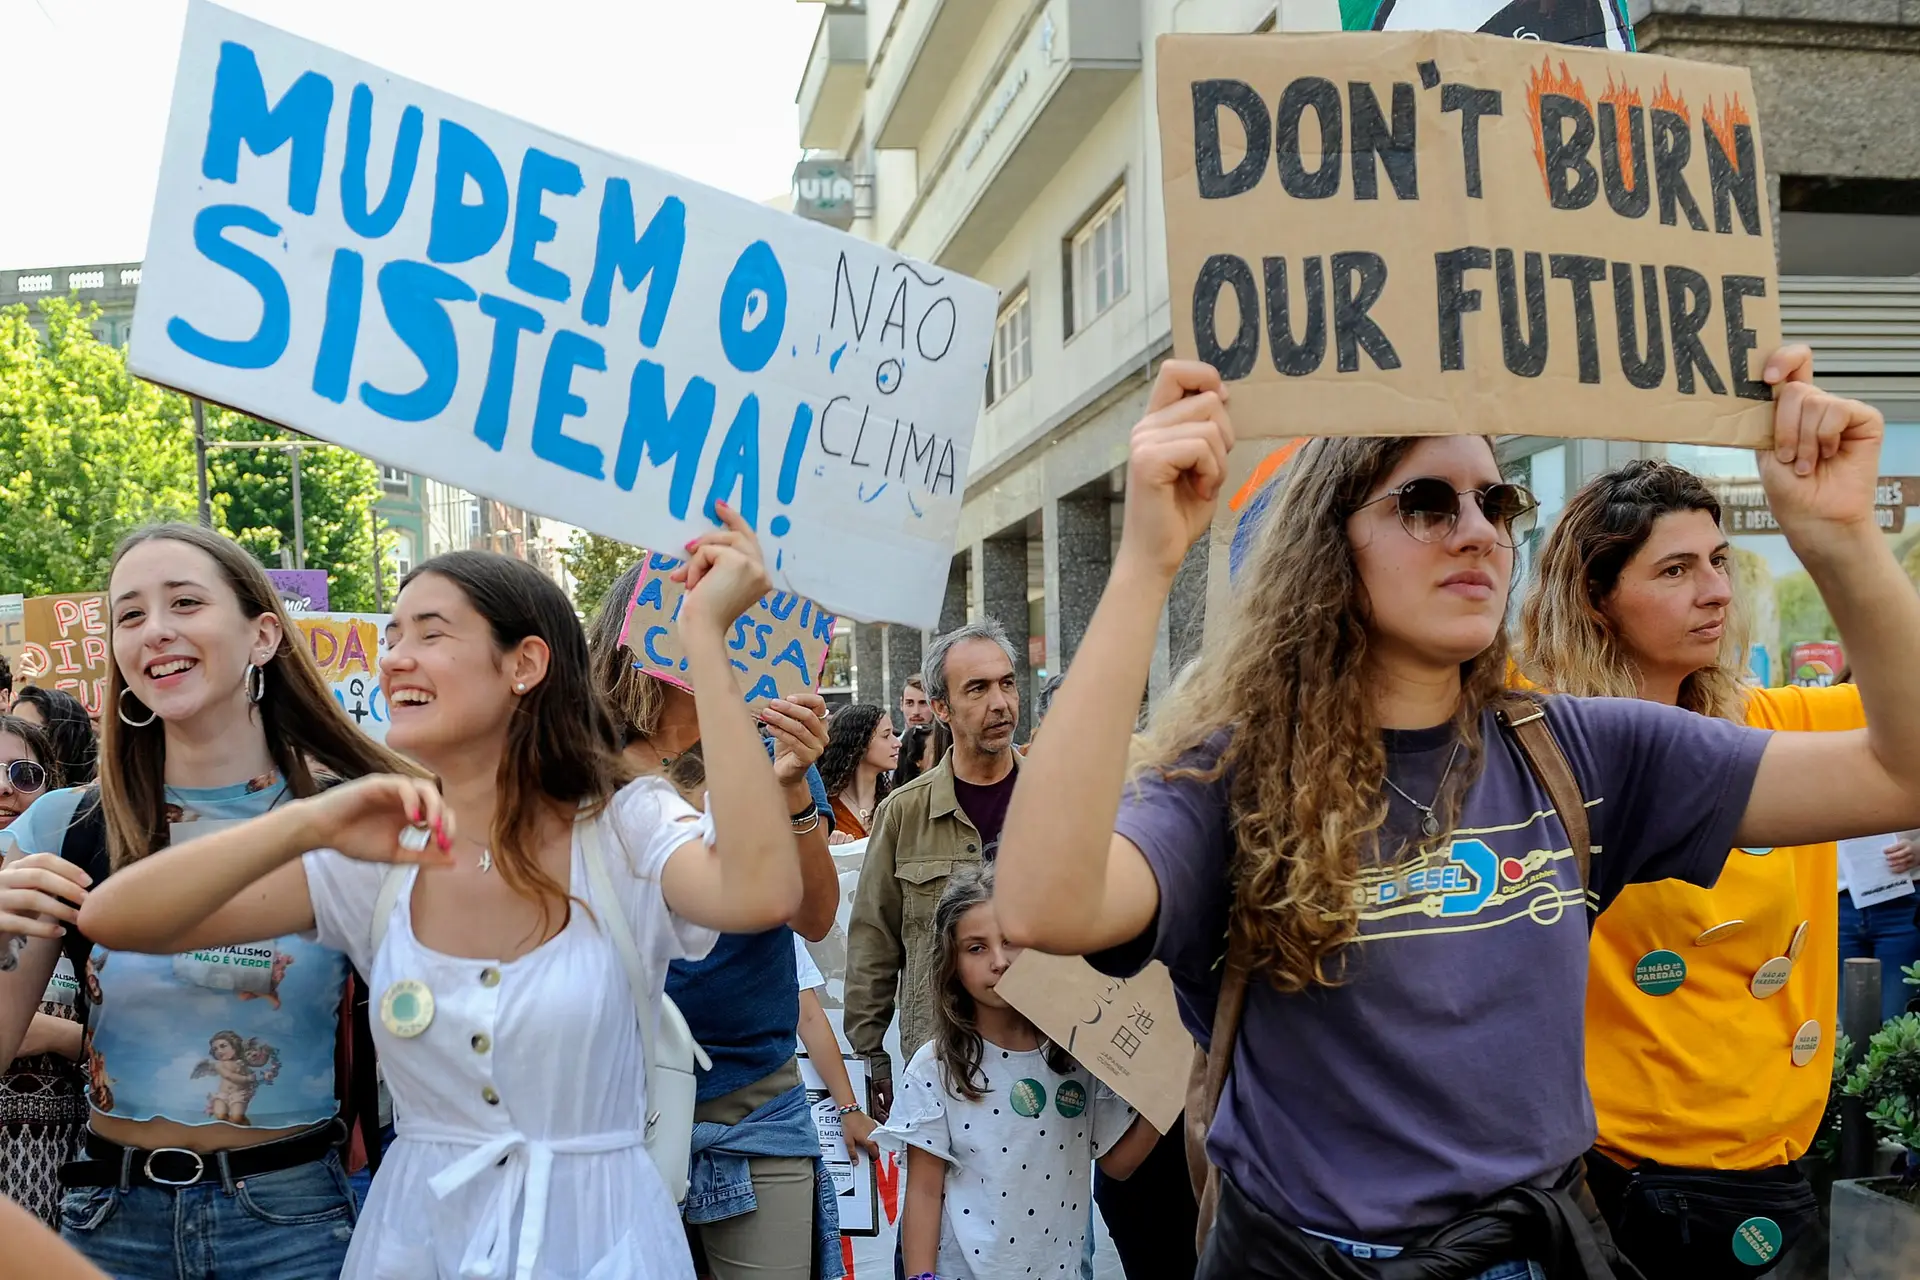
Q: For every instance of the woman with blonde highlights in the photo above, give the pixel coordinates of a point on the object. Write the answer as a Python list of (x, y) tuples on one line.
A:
[(1708, 1089), (1334, 792)]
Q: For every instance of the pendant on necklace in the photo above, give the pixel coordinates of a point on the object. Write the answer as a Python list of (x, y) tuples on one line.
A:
[(1430, 825), (486, 860)]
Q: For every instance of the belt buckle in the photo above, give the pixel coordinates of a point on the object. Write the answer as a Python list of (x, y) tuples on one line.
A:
[(199, 1171)]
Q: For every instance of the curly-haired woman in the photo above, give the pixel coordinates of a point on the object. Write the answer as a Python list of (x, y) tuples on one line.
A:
[(1336, 790), (857, 766)]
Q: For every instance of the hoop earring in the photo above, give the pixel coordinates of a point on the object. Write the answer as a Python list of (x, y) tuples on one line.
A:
[(256, 683), (121, 709)]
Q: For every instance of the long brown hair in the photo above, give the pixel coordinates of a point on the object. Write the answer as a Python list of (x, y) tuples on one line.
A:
[(634, 698), (957, 1044), (305, 728), (1568, 644), (39, 744), (1289, 666), (561, 753)]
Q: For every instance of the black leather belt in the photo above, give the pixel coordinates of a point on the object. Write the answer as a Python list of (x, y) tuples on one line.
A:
[(108, 1164)]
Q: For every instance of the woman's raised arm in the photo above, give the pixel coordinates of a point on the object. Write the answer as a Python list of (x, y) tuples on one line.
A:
[(1065, 882)]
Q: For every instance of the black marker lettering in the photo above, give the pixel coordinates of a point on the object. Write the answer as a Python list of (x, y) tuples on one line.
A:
[(1235, 361), (1672, 148), (1372, 137), (1650, 372), (1449, 274), (1358, 281), (1571, 181), (1689, 303), (1238, 97), (1582, 273), (1295, 358), (1734, 292), (1471, 103), (1629, 186), (1734, 180), (1525, 356), (1320, 94)]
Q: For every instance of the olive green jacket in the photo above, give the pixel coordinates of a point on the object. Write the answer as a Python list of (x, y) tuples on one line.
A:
[(918, 838)]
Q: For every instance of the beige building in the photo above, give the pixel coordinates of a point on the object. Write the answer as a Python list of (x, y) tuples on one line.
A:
[(1016, 141)]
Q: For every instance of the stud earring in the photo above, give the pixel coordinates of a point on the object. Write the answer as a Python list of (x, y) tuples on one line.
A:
[(520, 688)]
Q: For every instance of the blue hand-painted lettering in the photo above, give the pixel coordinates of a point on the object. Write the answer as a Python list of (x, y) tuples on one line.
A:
[(340, 333), (461, 232), (753, 308), (541, 174), (558, 402), (412, 294), (377, 222), (739, 461), (240, 114), (654, 655), (269, 340), (510, 320), (661, 437), (653, 258)]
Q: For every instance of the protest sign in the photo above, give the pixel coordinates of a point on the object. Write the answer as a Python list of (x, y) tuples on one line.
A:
[(1435, 232), (347, 648), (301, 590), (1126, 1031), (855, 1182), (405, 273), (779, 647), (1870, 881), (66, 646), (13, 629)]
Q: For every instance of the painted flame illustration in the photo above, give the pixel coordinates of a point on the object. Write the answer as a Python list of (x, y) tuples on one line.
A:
[(1623, 99), (1539, 84), (1667, 100), (1721, 124)]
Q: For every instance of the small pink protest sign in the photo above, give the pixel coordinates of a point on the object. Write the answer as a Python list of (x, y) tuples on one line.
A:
[(779, 647)]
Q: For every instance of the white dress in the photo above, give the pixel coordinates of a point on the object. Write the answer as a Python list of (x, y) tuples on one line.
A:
[(518, 1110)]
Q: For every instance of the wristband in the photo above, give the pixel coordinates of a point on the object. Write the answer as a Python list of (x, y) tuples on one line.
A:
[(811, 811), (924, 1275), (847, 1111)]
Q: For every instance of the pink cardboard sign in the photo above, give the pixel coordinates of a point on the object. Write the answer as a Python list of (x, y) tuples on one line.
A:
[(779, 646)]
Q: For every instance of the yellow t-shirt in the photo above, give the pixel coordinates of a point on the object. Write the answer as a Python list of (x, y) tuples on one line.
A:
[(1703, 1077)]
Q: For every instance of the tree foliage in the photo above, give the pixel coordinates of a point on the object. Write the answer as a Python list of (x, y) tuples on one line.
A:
[(1803, 614), (595, 562), (89, 452)]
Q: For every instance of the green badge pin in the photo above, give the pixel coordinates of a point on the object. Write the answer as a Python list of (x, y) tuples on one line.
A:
[(1756, 1241), (406, 1009), (1029, 1097), (1660, 973), (1070, 1099)]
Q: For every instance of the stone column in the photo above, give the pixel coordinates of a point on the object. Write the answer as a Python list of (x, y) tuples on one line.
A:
[(1187, 609), (1000, 575), (903, 660), (1078, 556), (869, 662)]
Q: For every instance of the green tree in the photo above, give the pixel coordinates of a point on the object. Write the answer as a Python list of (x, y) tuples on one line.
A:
[(1803, 614), (87, 452), (595, 562), (337, 491)]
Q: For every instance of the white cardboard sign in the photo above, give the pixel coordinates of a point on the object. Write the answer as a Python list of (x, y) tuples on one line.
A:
[(459, 293)]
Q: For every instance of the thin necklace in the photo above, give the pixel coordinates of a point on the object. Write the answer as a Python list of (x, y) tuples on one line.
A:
[(1429, 824)]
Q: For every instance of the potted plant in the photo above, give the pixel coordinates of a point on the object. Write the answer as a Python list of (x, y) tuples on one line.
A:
[(1876, 1221)]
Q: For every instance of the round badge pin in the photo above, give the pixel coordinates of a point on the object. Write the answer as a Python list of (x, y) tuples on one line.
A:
[(1806, 1042), (1719, 933), (1757, 853), (1770, 977), (1660, 973), (1756, 1241), (407, 1008), (1799, 941)]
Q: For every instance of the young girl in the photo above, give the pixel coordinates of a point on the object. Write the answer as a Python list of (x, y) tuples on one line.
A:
[(1000, 1127), (861, 755), (43, 1096), (507, 1029), (215, 714), (1702, 1088), (1333, 790)]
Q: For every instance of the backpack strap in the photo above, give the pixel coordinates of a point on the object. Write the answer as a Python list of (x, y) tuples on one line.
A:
[(383, 903), (1524, 720)]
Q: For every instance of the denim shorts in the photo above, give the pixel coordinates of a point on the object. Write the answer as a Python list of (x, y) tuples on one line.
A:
[(290, 1225)]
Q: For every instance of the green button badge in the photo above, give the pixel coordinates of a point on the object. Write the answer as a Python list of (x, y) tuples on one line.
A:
[(1660, 973), (1756, 1241)]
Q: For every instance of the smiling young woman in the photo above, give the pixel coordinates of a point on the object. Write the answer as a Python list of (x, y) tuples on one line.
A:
[(212, 1070), (1333, 789)]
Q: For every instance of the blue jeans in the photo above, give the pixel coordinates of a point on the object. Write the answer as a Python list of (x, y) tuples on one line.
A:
[(289, 1225), (362, 1182), (1885, 931)]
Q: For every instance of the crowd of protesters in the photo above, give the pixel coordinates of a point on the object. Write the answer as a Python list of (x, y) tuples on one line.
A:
[(1494, 952)]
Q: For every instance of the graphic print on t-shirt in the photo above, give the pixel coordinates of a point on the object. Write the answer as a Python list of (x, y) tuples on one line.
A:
[(1467, 884)]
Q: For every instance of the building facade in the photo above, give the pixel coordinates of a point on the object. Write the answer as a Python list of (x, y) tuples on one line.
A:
[(110, 286), (1016, 141)]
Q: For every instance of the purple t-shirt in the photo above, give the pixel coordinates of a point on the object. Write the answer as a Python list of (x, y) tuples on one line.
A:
[(1449, 1065)]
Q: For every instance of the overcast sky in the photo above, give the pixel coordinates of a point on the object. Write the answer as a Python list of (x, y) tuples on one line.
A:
[(702, 87)]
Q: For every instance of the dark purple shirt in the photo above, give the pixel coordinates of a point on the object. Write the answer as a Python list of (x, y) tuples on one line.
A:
[(986, 808), (1449, 1065)]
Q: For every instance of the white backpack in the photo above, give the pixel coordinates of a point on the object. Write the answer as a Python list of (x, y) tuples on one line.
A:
[(670, 1064)]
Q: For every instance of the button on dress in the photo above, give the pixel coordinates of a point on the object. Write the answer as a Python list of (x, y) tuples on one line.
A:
[(519, 1109)]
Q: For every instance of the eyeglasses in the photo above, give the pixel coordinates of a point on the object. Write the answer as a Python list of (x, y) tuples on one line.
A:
[(26, 775), (1429, 508)]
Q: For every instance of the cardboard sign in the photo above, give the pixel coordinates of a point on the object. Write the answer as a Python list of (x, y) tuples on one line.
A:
[(779, 647), (301, 590), (347, 647), (1438, 232), (13, 630), (855, 1182), (1126, 1031), (66, 646), (464, 295), (1863, 865)]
